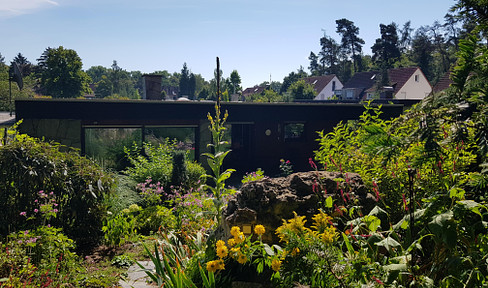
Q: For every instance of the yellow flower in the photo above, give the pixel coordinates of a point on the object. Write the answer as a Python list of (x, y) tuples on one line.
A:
[(321, 221), (215, 265), (296, 225), (222, 251), (220, 243), (276, 265), (212, 266), (241, 258), (239, 238), (231, 242), (295, 251), (259, 230), (235, 230), (220, 264), (329, 235)]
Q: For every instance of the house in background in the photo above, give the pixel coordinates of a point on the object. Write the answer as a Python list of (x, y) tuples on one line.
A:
[(443, 83), (253, 90), (325, 86), (404, 83), (359, 85)]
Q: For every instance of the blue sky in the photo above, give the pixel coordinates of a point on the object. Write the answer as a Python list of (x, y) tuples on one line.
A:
[(256, 38)]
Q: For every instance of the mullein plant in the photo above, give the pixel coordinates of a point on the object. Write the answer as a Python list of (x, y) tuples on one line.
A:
[(215, 158)]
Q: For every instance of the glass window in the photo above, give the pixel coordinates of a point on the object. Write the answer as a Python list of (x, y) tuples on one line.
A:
[(106, 145), (294, 131), (183, 136)]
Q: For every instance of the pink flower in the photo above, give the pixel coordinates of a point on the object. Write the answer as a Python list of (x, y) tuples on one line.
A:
[(36, 210), (23, 213), (312, 164)]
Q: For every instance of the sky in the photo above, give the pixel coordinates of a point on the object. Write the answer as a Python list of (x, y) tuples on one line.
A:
[(262, 40)]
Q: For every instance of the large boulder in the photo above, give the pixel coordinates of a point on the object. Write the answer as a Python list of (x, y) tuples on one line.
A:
[(269, 201)]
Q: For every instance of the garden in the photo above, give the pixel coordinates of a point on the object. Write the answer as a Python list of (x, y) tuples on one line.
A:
[(66, 221)]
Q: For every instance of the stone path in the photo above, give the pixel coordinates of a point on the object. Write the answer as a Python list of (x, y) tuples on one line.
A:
[(136, 278)]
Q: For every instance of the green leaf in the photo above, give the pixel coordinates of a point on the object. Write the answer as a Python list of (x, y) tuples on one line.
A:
[(389, 243), (329, 202), (377, 211), (268, 250), (395, 267), (473, 206), (348, 244), (372, 222), (456, 193)]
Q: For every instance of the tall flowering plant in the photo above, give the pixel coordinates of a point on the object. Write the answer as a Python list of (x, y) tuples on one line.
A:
[(215, 158)]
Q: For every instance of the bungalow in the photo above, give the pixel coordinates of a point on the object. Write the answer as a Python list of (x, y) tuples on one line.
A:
[(404, 83), (325, 86)]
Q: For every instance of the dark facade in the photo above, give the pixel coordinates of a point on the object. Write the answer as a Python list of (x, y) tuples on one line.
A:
[(261, 133)]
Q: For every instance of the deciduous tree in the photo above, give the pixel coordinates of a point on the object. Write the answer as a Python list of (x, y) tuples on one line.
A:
[(61, 74), (302, 91)]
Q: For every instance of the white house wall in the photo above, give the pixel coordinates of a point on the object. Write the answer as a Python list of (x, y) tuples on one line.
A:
[(327, 92), (413, 89)]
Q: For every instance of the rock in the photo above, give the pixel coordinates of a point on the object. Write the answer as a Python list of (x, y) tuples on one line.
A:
[(269, 201)]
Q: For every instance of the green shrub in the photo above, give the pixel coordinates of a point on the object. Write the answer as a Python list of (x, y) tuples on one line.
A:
[(179, 173), (121, 227), (40, 258), (78, 185), (150, 219), (156, 163), (195, 173)]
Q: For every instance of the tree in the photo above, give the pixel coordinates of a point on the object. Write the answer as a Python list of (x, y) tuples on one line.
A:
[(96, 73), (350, 42), (329, 54), (474, 11), (25, 66), (405, 37), (314, 64), (184, 81), (421, 53), (292, 78), (104, 87), (2, 60), (302, 91), (187, 83), (235, 80), (386, 49), (115, 77), (61, 74), (192, 82)]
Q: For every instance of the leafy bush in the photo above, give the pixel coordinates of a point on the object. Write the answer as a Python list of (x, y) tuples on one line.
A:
[(156, 163), (78, 185), (38, 258), (152, 218)]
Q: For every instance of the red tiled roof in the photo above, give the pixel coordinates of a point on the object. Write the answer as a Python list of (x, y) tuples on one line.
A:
[(443, 83), (319, 82)]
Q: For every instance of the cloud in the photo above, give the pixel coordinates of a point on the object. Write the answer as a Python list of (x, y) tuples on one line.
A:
[(9, 8)]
